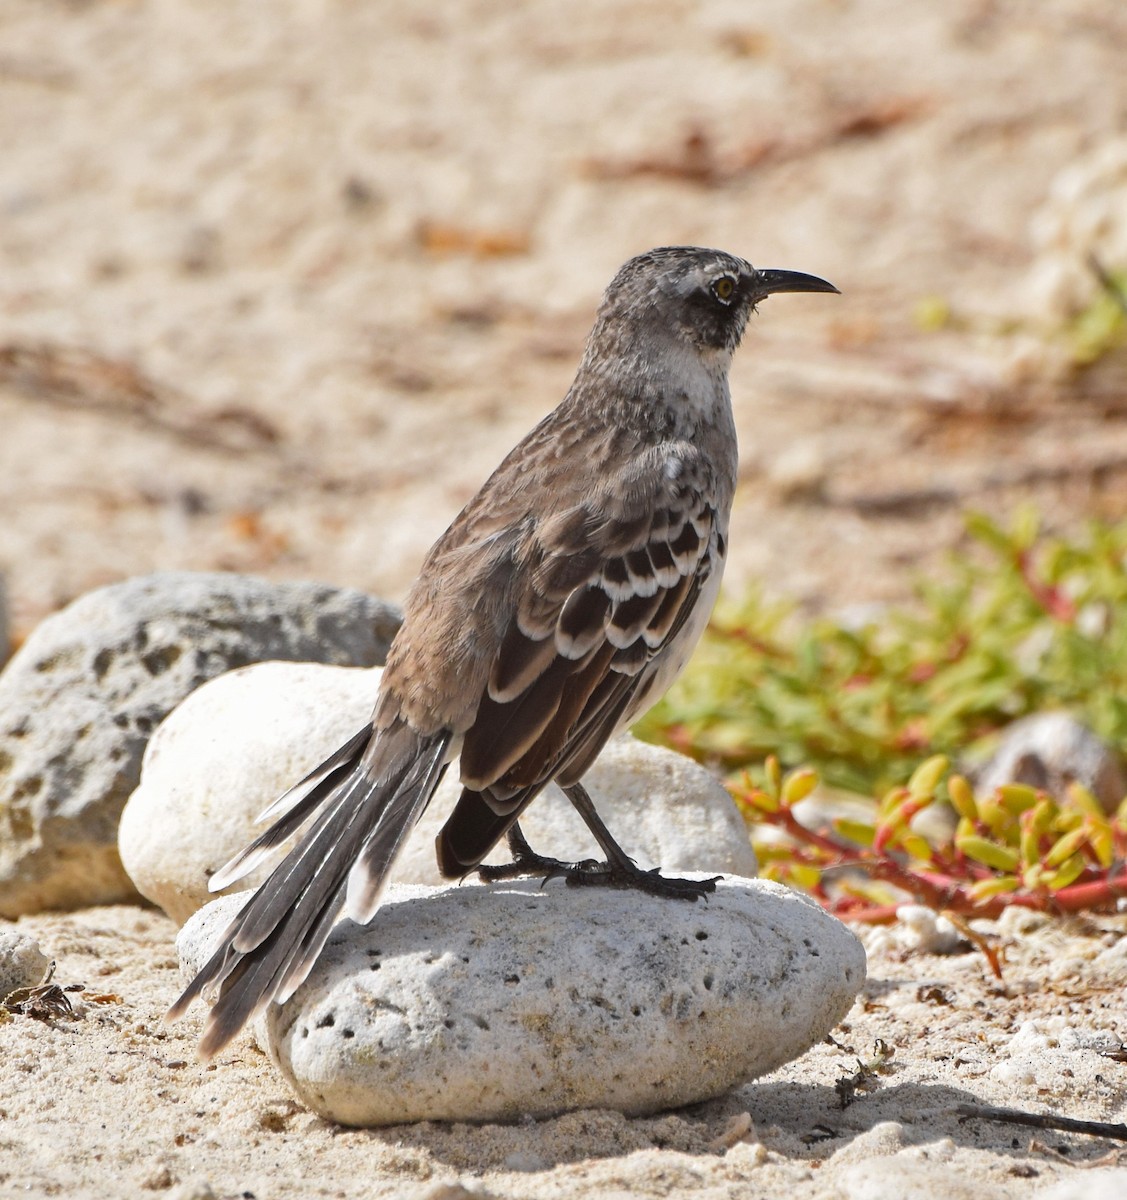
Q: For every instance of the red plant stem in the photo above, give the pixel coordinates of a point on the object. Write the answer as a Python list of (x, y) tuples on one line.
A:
[(1050, 597), (873, 914), (740, 633), (796, 829), (938, 890), (1078, 897), (1097, 893), (947, 894)]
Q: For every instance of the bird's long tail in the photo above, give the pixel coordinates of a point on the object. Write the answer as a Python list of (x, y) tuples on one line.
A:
[(367, 797)]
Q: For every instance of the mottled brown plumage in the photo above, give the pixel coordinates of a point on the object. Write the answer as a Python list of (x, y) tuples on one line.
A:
[(560, 604)]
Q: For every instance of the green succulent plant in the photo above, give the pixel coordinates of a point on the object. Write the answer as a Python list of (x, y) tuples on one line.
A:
[(1020, 623)]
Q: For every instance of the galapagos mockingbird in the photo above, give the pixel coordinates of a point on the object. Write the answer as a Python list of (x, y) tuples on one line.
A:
[(559, 605)]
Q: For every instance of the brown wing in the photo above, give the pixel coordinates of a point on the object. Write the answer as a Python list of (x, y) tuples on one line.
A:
[(611, 582), (481, 818)]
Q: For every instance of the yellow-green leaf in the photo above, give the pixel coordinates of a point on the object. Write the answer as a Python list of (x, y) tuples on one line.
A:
[(1040, 818), (804, 876), (1017, 797), (916, 845), (990, 854), (1030, 844), (771, 852), (1066, 873), (798, 785), (993, 812), (962, 797), (1067, 819), (892, 799), (1033, 876), (855, 831), (763, 801), (1026, 526), (1079, 795), (982, 527), (985, 888), (925, 778), (1065, 846), (1102, 841)]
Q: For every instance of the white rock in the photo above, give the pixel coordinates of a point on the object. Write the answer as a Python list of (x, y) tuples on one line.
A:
[(927, 932), (239, 741), (216, 762), (80, 698), (22, 963), (496, 1003)]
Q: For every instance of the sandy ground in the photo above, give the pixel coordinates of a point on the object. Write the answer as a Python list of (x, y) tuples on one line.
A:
[(277, 292), (278, 287), (114, 1103)]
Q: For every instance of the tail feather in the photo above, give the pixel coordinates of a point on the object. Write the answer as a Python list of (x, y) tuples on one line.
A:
[(302, 876), (473, 829), (344, 757), (263, 846), (373, 864), (368, 800)]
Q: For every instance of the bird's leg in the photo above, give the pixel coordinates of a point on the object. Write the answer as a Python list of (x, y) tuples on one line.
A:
[(526, 862), (620, 870)]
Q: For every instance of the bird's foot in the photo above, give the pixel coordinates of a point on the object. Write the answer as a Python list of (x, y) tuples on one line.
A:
[(589, 873), (618, 871), (625, 874), (533, 865)]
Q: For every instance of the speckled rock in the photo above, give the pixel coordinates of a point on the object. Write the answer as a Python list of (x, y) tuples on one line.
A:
[(242, 739), (503, 1002), (81, 697), (22, 963)]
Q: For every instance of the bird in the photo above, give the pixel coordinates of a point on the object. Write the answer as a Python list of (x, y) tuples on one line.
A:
[(557, 607)]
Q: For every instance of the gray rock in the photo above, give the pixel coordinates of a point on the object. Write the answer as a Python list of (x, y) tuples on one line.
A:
[(242, 739), (1050, 750), (22, 963), (79, 701), (504, 1002)]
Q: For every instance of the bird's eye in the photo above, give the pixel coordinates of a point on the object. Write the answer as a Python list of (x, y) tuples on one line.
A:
[(724, 288)]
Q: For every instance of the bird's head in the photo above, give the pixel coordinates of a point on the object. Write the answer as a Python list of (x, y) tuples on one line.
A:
[(702, 296)]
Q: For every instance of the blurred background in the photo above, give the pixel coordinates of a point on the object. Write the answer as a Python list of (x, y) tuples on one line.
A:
[(280, 284)]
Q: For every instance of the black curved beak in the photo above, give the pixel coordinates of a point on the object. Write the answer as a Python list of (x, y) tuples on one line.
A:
[(770, 280)]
